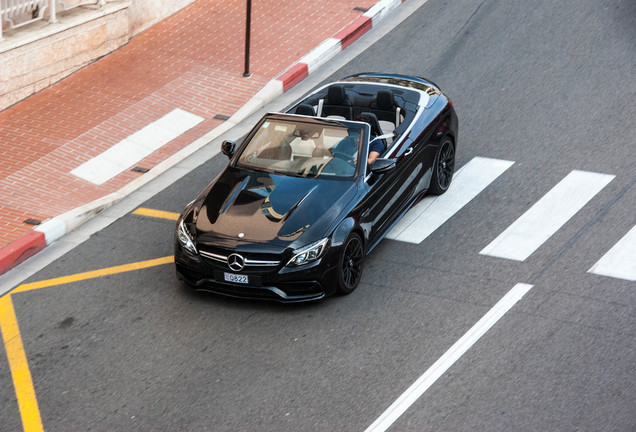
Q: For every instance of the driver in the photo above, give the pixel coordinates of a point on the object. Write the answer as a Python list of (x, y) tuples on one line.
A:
[(375, 150), (376, 147)]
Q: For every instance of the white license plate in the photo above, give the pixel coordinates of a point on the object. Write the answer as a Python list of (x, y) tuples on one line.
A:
[(231, 277)]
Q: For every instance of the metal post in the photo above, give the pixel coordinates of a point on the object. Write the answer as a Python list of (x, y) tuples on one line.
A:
[(52, 12), (248, 25)]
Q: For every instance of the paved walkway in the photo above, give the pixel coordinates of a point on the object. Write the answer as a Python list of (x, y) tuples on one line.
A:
[(192, 61)]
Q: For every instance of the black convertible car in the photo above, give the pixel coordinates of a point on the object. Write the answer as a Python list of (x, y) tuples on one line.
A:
[(299, 206)]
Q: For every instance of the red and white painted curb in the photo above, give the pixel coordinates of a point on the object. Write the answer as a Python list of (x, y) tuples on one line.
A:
[(332, 46), (55, 228)]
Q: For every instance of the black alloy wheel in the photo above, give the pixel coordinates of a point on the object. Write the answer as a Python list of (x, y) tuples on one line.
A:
[(351, 264), (444, 167)]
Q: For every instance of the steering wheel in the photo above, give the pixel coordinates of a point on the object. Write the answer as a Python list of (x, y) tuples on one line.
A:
[(345, 157)]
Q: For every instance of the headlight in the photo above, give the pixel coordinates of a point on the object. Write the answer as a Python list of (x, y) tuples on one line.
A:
[(309, 253), (185, 238)]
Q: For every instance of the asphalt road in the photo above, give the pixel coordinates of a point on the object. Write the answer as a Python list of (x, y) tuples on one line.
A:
[(548, 85)]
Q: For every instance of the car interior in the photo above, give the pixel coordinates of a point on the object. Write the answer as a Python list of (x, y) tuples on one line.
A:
[(331, 151), (304, 149), (388, 110)]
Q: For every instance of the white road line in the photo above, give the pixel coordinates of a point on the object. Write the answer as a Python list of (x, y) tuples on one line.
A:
[(620, 261), (448, 359), (547, 215), (137, 146), (430, 213)]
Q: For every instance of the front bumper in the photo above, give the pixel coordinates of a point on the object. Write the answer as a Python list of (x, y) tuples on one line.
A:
[(312, 282)]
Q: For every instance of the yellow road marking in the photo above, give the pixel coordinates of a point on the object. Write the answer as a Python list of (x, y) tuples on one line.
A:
[(94, 274), (156, 213), (22, 382)]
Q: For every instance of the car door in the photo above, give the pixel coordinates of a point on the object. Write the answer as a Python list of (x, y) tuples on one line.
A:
[(390, 194), (421, 148), (386, 196)]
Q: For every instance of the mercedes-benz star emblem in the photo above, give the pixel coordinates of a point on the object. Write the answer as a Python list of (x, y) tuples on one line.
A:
[(236, 262)]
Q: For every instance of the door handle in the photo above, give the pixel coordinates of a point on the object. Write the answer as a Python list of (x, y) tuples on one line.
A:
[(408, 151)]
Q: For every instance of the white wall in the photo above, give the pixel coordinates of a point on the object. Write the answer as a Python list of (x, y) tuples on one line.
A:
[(145, 13)]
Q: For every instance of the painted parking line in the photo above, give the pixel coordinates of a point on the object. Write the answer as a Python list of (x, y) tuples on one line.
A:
[(137, 146), (159, 214), (455, 352), (430, 213), (18, 363), (620, 261), (547, 215), (94, 274), (19, 366)]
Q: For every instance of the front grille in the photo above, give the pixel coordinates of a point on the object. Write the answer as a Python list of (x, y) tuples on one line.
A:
[(214, 257), (253, 261)]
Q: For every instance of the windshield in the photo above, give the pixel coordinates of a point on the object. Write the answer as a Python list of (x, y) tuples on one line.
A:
[(304, 149)]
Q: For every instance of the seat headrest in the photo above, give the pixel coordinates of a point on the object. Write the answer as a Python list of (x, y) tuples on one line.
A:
[(304, 109), (336, 95), (372, 119), (385, 100)]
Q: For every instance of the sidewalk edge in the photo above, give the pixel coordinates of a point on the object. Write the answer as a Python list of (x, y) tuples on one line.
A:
[(53, 229)]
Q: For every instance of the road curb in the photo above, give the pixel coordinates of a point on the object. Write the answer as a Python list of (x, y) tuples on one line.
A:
[(53, 229)]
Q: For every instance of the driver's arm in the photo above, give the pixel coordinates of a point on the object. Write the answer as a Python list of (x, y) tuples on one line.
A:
[(375, 149), (373, 155)]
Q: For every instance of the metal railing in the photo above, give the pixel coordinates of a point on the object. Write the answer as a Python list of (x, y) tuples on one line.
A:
[(16, 13)]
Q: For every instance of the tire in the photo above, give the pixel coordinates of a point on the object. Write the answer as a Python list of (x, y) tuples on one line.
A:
[(351, 264), (444, 167)]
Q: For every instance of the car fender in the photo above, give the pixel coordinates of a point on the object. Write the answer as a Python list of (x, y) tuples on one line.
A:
[(342, 231)]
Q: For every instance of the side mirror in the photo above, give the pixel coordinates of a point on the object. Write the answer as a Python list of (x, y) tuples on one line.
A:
[(381, 165), (228, 148)]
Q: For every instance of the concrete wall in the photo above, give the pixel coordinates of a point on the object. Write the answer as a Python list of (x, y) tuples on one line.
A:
[(145, 13), (37, 55)]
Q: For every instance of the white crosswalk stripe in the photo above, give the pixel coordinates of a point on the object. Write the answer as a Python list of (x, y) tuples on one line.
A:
[(620, 261), (549, 214), (137, 146), (430, 213), (532, 229)]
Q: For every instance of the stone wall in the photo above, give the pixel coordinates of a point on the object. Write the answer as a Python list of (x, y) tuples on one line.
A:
[(37, 55)]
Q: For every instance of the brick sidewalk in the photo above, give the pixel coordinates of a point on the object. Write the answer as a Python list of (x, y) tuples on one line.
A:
[(193, 60)]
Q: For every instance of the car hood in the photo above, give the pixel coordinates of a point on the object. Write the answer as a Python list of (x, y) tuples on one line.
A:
[(257, 207)]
